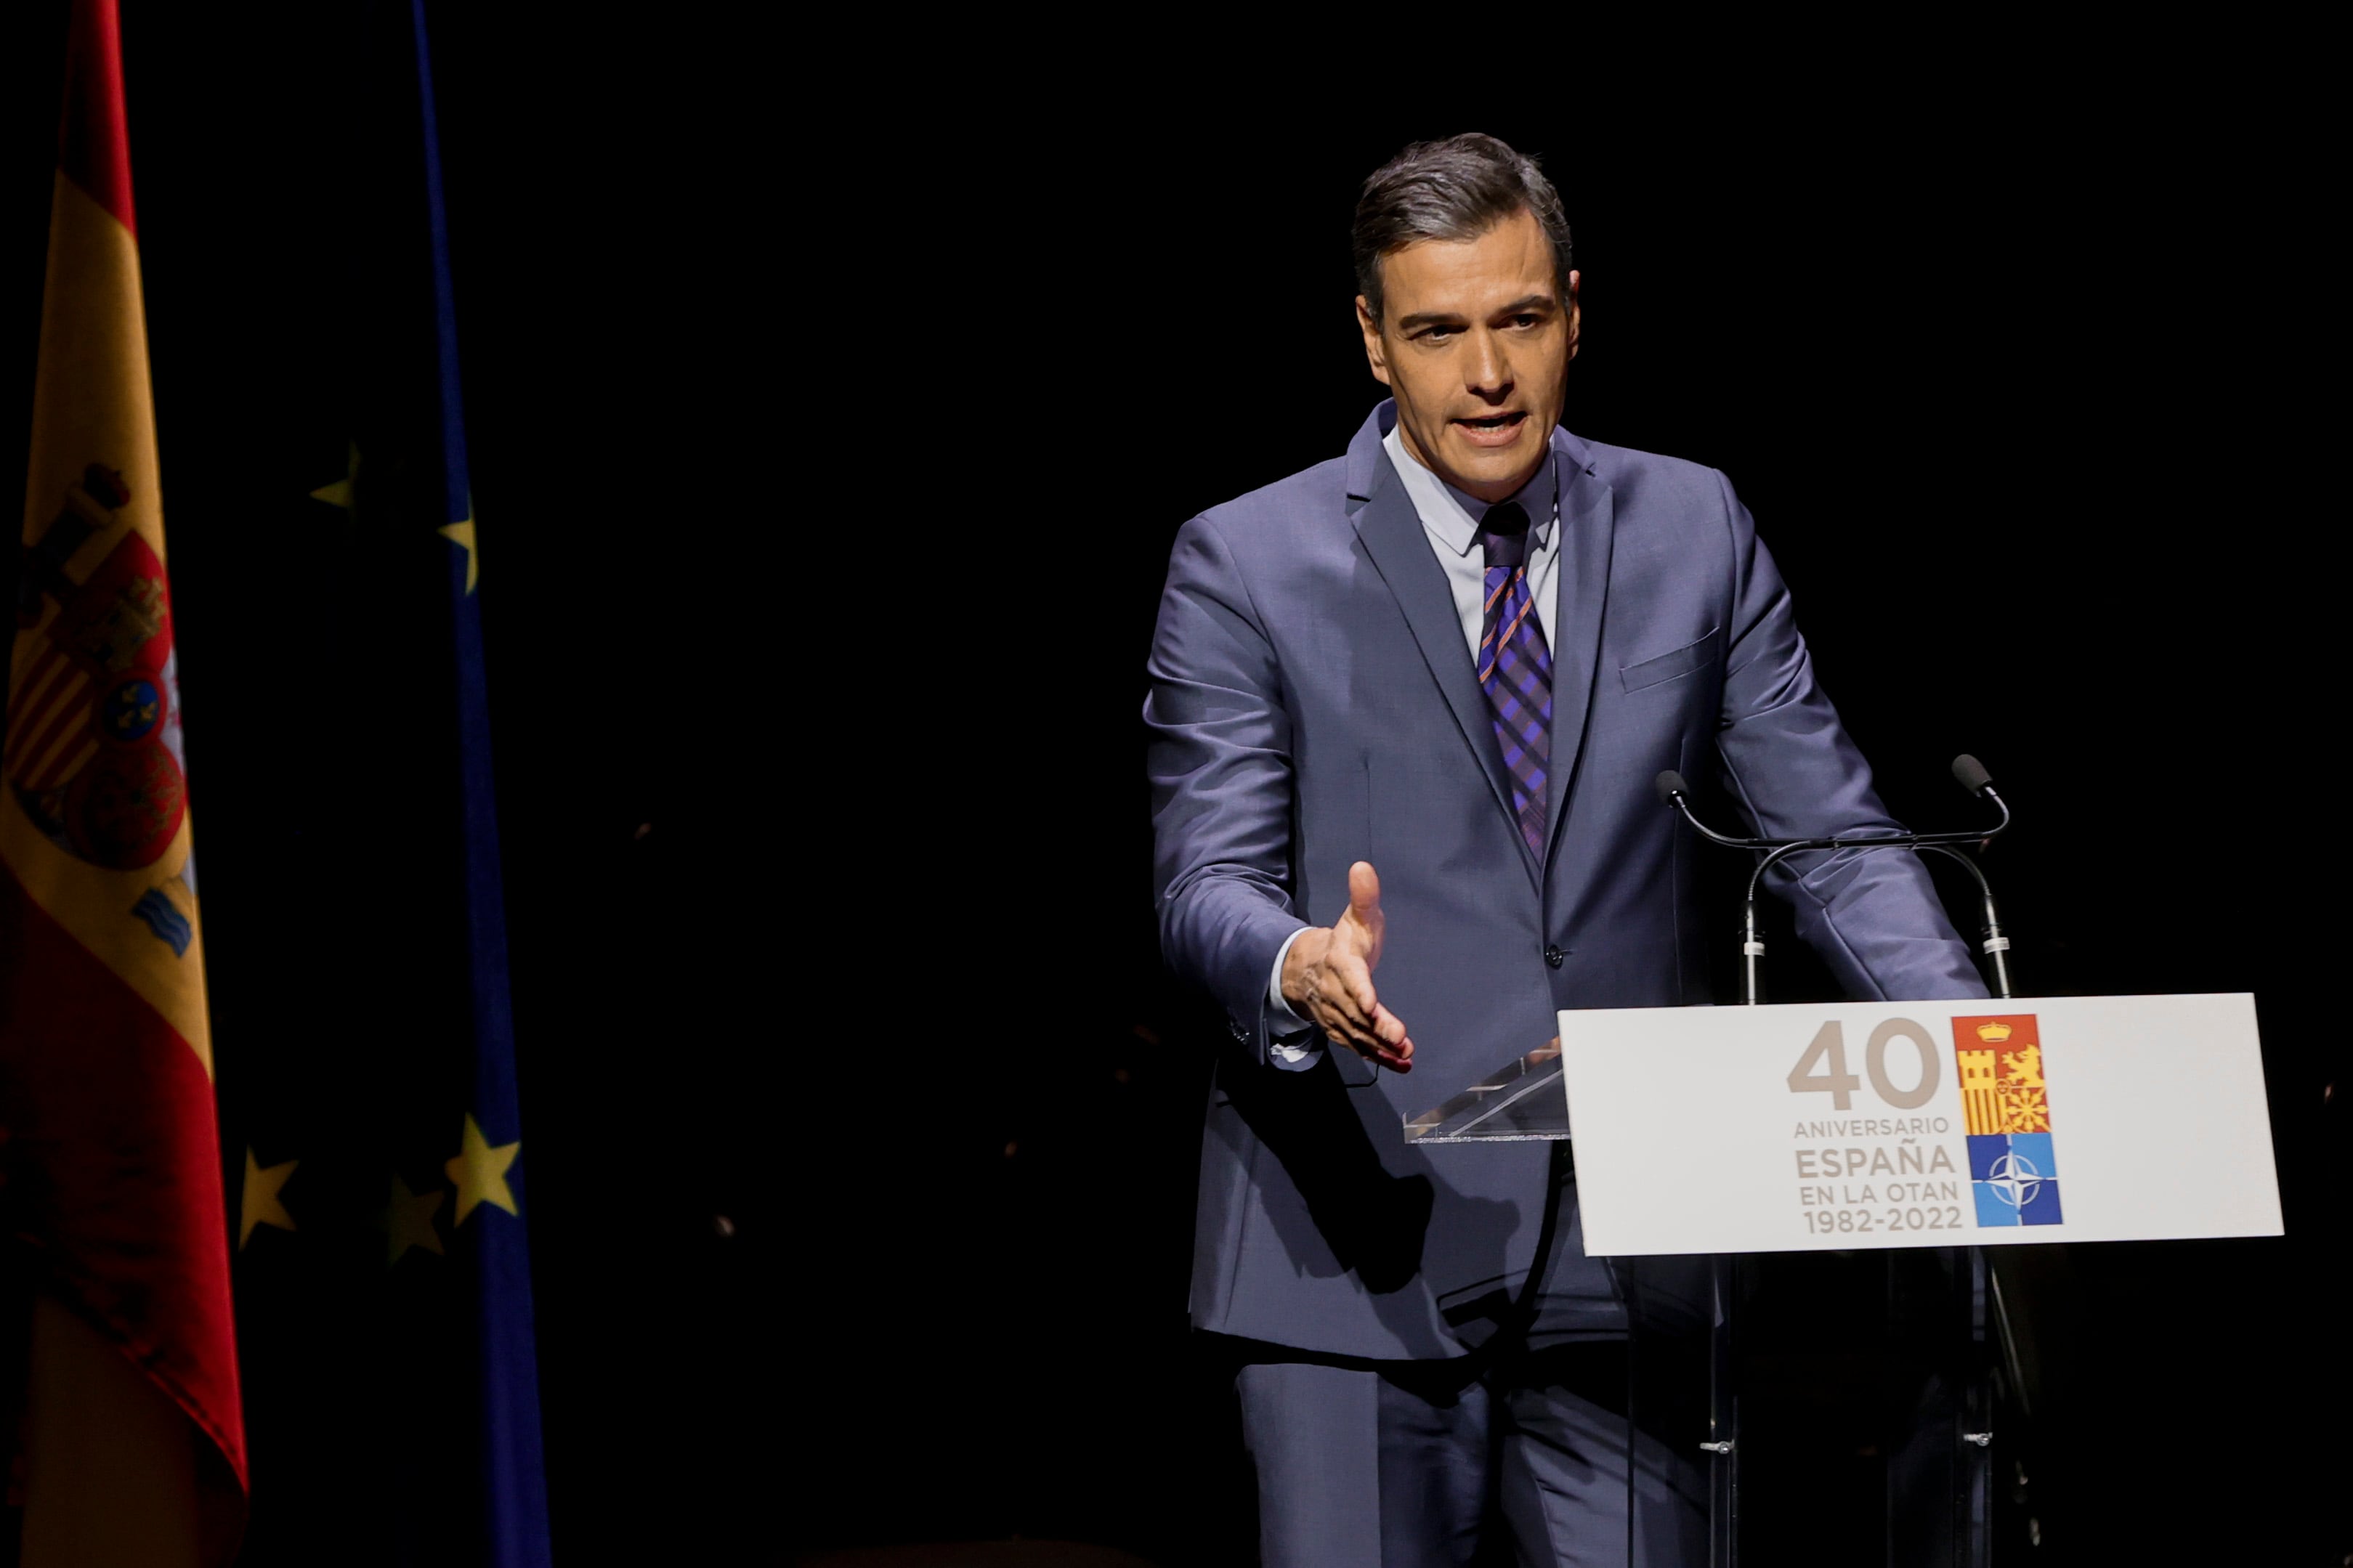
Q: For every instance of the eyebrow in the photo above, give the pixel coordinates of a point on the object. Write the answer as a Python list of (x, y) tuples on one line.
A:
[(1435, 318)]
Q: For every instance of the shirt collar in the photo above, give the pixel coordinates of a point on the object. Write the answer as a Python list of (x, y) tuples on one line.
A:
[(1451, 518)]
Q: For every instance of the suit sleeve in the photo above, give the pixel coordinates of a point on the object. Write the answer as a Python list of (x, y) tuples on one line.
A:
[(1872, 914), (1219, 757)]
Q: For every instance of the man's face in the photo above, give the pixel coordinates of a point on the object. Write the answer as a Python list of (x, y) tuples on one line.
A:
[(1474, 341)]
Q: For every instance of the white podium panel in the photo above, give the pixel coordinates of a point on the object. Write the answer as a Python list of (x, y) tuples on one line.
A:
[(1876, 1124)]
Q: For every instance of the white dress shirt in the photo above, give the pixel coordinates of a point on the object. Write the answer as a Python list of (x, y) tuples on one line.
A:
[(1449, 521)]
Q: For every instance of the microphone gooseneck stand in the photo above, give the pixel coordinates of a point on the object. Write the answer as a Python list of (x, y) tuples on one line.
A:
[(1973, 1468)]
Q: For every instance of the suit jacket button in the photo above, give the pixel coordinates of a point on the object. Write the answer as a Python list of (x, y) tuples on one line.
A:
[(1553, 956)]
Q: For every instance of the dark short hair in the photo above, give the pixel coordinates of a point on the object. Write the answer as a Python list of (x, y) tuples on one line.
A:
[(1457, 189)]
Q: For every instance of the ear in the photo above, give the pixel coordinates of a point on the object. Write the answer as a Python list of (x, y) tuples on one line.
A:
[(1374, 353), (1573, 316)]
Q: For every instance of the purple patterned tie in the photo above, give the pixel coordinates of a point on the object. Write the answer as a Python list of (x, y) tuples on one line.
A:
[(1515, 667)]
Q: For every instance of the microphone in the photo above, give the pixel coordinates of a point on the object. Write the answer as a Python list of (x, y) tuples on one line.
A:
[(1674, 791), (1971, 776), (1967, 771)]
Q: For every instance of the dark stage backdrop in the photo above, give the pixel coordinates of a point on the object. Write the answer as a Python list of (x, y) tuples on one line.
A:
[(828, 450)]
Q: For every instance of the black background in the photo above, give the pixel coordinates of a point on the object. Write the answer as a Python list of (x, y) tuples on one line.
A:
[(831, 412)]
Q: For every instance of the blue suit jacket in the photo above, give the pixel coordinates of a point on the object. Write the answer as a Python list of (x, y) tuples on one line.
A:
[(1312, 704)]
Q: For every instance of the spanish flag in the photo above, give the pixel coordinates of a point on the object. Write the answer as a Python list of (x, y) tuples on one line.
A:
[(110, 1174)]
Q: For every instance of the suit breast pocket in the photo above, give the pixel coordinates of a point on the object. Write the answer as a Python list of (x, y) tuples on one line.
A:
[(1657, 671)]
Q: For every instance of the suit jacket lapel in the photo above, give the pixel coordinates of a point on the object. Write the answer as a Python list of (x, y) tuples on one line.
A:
[(1588, 514), (1392, 535)]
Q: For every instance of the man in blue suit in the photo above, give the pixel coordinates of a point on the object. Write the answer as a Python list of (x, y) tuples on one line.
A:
[(1406, 708)]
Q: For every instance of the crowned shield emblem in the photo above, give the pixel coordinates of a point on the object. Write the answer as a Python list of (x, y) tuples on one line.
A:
[(93, 753)]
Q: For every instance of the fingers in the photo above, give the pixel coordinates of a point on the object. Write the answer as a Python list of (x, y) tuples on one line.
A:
[(1382, 1040), (1387, 1045), (1346, 1009), (1336, 978)]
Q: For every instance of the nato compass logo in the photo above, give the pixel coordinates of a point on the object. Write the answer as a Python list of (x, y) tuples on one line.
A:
[(2007, 1107), (2016, 1179)]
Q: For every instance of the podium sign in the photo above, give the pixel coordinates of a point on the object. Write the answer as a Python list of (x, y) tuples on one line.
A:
[(1879, 1124)]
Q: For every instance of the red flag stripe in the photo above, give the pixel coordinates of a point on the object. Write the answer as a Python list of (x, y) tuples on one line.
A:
[(93, 144), (36, 720), (36, 696), (64, 766), (110, 1116), (27, 684), (56, 731)]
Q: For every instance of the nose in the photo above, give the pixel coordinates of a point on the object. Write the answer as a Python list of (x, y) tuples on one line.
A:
[(1487, 374)]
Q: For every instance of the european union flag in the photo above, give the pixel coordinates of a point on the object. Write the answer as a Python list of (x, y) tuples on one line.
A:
[(383, 1265)]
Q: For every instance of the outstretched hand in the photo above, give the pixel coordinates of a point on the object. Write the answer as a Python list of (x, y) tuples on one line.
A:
[(1327, 978)]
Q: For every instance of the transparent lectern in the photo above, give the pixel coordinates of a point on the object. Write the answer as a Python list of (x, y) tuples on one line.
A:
[(1685, 1318), (1683, 1392)]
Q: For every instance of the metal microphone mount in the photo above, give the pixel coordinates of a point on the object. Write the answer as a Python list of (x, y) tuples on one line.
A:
[(1971, 776)]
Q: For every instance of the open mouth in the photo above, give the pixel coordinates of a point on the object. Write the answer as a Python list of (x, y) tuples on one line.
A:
[(1493, 429)]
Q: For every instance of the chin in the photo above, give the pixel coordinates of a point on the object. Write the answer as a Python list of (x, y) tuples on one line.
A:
[(1508, 466)]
